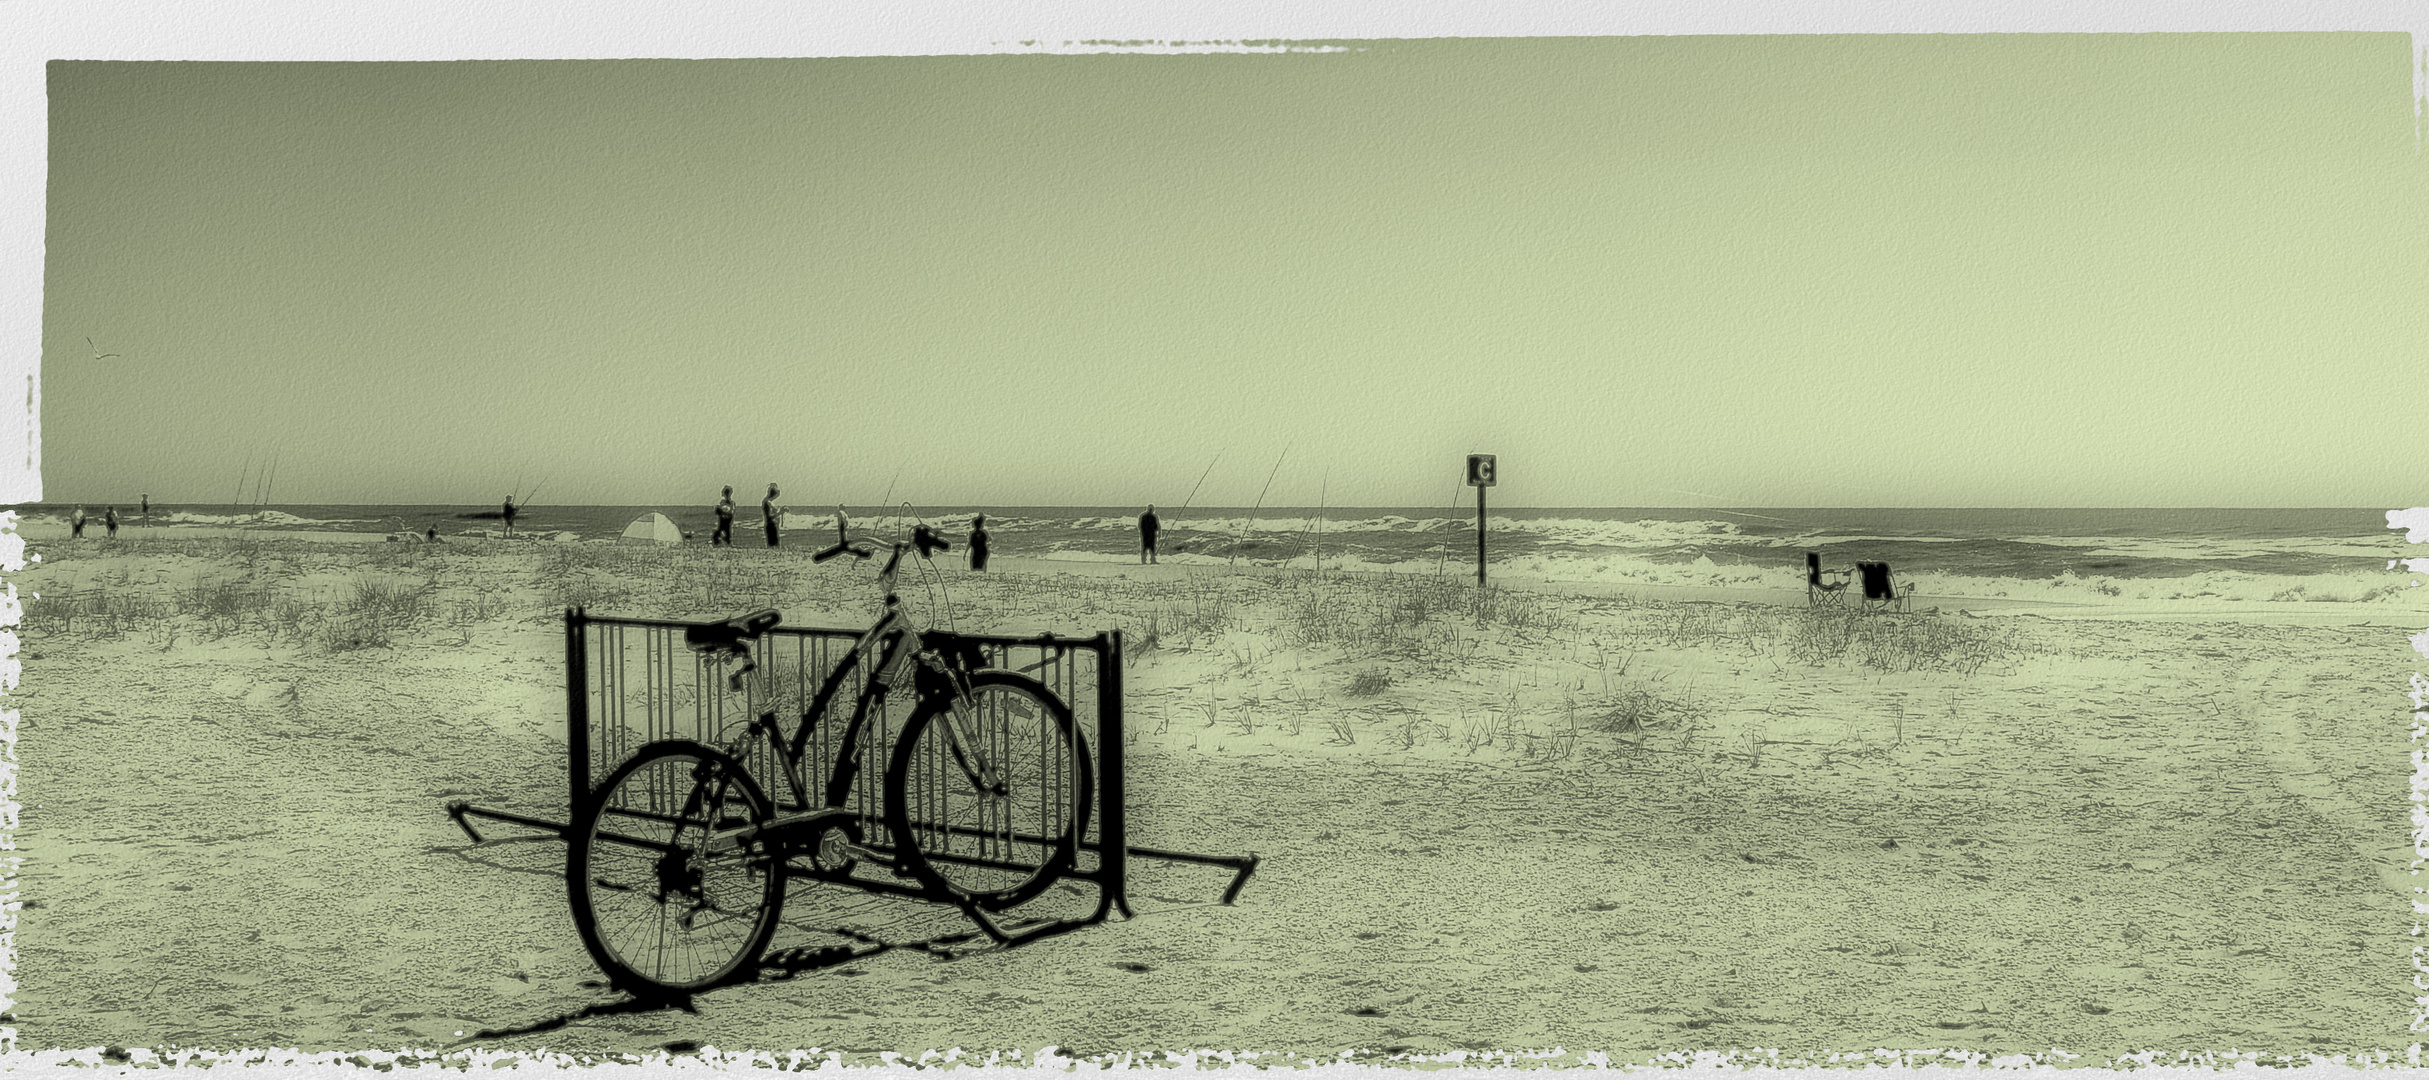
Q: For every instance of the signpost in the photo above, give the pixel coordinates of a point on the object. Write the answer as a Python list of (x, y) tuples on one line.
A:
[(1480, 477)]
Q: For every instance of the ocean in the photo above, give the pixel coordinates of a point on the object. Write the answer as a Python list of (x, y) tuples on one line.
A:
[(2338, 554)]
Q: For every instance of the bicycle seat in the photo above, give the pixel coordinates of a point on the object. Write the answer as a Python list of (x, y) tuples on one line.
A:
[(730, 634)]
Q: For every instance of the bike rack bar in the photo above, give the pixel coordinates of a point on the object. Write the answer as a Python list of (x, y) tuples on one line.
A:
[(1055, 667), (459, 809), (577, 708), (1113, 821), (985, 925), (1244, 864)]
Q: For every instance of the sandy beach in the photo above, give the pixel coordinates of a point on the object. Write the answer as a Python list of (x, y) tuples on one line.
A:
[(2081, 342), (1590, 817)]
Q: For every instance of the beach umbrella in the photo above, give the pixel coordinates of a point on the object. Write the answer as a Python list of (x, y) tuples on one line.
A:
[(652, 529)]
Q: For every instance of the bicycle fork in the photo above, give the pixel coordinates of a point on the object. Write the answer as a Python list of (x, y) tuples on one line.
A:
[(990, 832), (958, 706)]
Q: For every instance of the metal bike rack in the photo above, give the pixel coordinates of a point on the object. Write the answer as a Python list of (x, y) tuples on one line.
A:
[(630, 682)]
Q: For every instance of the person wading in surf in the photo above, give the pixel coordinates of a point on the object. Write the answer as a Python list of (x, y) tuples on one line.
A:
[(725, 520)]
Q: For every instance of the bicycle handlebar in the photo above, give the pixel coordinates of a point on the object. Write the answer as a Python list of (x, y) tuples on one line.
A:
[(922, 538)]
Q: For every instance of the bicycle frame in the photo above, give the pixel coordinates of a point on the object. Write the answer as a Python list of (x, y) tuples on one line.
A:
[(892, 647), (895, 646)]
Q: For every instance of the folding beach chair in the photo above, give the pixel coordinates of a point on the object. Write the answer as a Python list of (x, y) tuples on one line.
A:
[(1818, 589), (1878, 589)]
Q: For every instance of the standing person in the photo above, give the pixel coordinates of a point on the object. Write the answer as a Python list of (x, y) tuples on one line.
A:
[(725, 520), (432, 536), (772, 512), (510, 515), (75, 524), (147, 509), (1147, 530), (978, 542), (843, 527), (109, 517)]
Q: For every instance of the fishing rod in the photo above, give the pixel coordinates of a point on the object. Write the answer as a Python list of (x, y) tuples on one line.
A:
[(1193, 491), (1443, 550), (889, 497), (1193, 488), (255, 503), (1252, 511), (236, 498), (1717, 510), (1735, 513), (1323, 488)]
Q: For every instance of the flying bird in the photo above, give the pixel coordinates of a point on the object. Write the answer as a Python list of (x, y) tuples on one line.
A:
[(97, 353)]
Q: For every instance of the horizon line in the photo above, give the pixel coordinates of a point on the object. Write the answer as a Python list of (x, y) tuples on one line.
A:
[(1217, 506)]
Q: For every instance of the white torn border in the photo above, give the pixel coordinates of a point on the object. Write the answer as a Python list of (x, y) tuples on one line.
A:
[(12, 612), (39, 30), (2415, 523)]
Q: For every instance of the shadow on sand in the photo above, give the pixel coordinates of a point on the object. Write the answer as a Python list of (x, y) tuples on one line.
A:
[(780, 965)]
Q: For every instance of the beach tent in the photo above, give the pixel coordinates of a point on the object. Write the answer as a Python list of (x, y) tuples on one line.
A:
[(652, 529)]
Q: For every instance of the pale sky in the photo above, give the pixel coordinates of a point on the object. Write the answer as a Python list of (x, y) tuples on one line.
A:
[(1868, 271)]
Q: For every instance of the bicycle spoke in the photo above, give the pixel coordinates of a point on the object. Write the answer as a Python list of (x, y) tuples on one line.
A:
[(665, 911), (988, 792)]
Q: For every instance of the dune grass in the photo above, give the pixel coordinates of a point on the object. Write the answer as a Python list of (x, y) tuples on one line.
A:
[(1401, 662)]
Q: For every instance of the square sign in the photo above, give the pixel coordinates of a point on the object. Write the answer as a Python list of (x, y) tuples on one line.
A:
[(1480, 470)]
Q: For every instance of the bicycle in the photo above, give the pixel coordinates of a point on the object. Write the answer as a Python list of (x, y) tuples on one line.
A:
[(678, 862)]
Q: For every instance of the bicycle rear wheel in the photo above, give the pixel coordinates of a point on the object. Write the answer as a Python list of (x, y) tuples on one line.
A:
[(997, 849), (666, 901)]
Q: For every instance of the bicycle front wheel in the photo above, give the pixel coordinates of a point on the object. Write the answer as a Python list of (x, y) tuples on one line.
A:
[(988, 795), (666, 899)]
